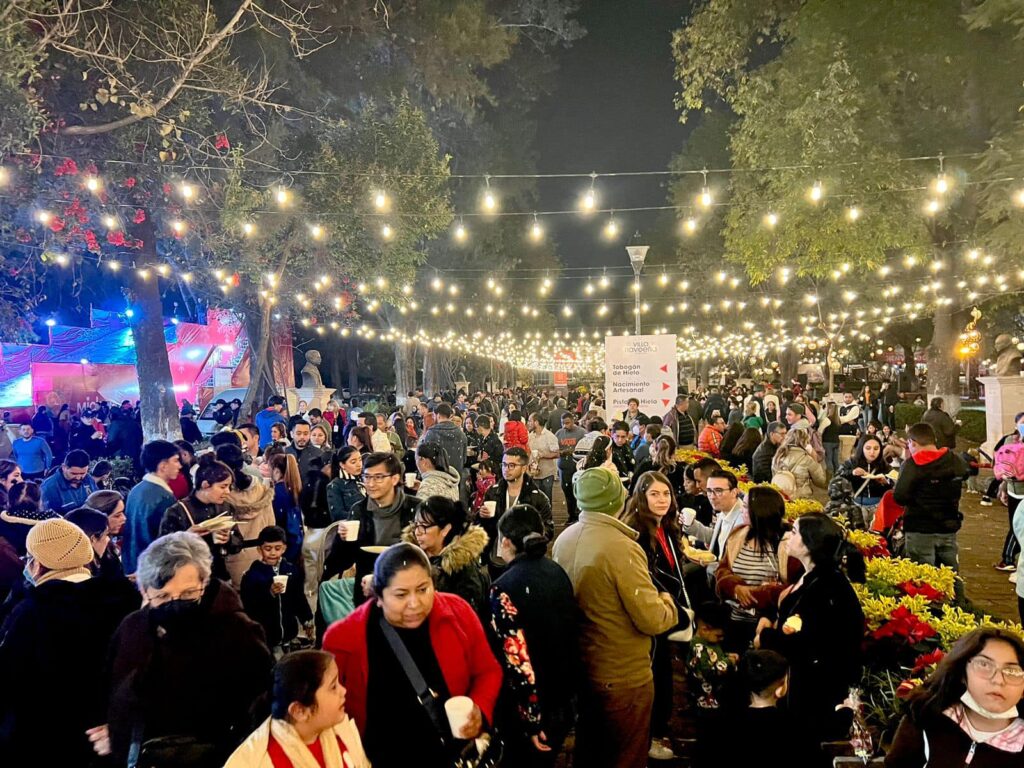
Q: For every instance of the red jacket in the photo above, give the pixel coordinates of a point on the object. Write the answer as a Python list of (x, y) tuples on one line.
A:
[(462, 651), (516, 435), (710, 441)]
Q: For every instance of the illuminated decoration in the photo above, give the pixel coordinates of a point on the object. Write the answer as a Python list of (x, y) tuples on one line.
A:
[(970, 339), (771, 219), (536, 230), (282, 196), (489, 202), (380, 201), (386, 232), (816, 192), (853, 213), (93, 184), (611, 229)]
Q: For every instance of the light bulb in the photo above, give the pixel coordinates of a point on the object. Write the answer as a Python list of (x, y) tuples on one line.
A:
[(490, 201), (380, 200), (816, 192), (385, 232), (1018, 196), (248, 228), (92, 184), (941, 184), (704, 198), (611, 229), (536, 231), (316, 231), (436, 284), (109, 222), (771, 219), (178, 226), (44, 217), (460, 233), (187, 191), (690, 225), (932, 207), (588, 201), (603, 282), (281, 196)]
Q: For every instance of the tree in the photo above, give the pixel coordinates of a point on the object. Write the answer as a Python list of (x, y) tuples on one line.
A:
[(890, 80), (101, 81)]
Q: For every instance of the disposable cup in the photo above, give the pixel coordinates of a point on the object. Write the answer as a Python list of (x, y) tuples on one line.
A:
[(282, 580), (410, 479), (351, 530), (458, 709), (488, 509)]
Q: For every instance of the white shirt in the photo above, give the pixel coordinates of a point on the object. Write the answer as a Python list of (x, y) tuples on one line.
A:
[(545, 442), (379, 442)]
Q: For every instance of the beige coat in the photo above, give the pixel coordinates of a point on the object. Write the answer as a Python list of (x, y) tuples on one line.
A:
[(253, 511), (805, 468), (253, 751), (621, 608)]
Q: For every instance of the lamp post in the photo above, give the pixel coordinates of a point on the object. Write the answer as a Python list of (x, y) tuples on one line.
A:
[(637, 255)]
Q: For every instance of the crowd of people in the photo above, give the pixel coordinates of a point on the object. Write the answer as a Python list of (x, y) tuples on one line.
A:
[(345, 587)]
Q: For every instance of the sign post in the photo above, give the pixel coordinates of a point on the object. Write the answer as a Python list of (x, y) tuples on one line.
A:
[(643, 367)]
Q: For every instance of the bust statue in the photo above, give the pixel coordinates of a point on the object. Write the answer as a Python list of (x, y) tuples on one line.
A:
[(1007, 356), (310, 372)]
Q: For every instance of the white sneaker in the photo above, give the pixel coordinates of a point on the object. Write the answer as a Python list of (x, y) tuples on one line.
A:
[(1013, 577), (660, 750)]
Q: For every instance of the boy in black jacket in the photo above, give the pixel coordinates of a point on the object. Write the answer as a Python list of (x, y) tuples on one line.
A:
[(273, 594), (929, 488)]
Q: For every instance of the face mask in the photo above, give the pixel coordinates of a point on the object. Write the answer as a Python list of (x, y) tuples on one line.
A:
[(1020, 429), (969, 702), (175, 614), (28, 576)]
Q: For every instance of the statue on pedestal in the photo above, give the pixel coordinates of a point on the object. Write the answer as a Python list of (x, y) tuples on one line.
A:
[(1007, 356), (311, 378)]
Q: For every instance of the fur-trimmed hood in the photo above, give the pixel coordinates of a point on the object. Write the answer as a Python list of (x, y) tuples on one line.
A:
[(464, 551), (252, 501)]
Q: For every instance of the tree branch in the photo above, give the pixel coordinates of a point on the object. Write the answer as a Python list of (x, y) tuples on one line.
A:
[(179, 82)]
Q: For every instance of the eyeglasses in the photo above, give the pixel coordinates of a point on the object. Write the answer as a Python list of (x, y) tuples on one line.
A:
[(194, 594), (375, 478), (1013, 674), (510, 465), (717, 491), (420, 528)]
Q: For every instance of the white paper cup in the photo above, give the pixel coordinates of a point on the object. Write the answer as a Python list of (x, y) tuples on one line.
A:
[(282, 580), (410, 479), (488, 509), (351, 530), (458, 709)]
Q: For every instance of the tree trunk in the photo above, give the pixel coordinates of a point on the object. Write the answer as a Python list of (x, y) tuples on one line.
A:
[(789, 360), (156, 387), (910, 366), (405, 368), (261, 351), (943, 366), (352, 361)]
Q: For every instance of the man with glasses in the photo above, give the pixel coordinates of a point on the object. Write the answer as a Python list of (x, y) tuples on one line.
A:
[(929, 487), (514, 487), (381, 517), (723, 493), (761, 464)]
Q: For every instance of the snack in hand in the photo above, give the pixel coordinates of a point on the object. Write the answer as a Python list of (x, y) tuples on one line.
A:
[(793, 625)]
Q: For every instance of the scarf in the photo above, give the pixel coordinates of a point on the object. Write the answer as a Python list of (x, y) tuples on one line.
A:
[(356, 479), (297, 752), (152, 477)]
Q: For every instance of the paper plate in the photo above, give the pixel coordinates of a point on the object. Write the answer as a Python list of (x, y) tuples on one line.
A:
[(373, 550)]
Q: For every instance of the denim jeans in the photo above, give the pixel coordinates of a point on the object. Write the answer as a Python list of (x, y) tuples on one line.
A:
[(547, 485), (935, 549), (831, 457)]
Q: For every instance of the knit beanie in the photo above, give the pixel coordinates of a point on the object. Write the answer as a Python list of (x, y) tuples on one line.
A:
[(599, 490), (59, 545)]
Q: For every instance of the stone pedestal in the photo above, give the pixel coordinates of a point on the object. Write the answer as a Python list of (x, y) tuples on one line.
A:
[(1004, 399), (317, 397)]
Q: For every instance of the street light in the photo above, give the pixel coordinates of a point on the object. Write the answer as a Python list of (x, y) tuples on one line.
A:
[(637, 255)]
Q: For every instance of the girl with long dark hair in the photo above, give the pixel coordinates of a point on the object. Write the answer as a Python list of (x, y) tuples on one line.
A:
[(966, 712), (867, 462)]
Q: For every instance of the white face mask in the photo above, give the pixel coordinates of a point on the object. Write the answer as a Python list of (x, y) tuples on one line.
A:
[(969, 702)]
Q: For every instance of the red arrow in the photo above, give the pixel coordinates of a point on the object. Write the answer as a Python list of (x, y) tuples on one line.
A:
[(664, 402), (664, 368), (665, 386)]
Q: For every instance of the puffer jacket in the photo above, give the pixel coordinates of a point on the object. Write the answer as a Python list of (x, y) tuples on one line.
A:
[(254, 511), (515, 435), (452, 439), (805, 468), (439, 483), (458, 569)]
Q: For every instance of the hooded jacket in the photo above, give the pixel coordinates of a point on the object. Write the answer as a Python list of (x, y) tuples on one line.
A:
[(515, 435), (255, 750), (254, 511), (438, 482), (452, 439), (458, 569), (929, 488), (805, 468)]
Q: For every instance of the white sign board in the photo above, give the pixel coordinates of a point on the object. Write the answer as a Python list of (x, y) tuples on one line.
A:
[(643, 367)]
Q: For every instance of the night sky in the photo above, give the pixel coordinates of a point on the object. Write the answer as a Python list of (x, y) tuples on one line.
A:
[(611, 111)]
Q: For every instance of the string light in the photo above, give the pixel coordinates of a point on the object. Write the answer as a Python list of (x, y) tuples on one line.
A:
[(187, 191), (690, 225), (380, 200), (109, 222), (853, 213), (816, 192), (771, 219), (490, 201), (44, 217), (282, 196), (536, 231), (932, 207), (178, 227), (249, 228), (589, 199), (5, 176), (611, 229), (460, 232), (92, 184), (386, 232), (316, 231)]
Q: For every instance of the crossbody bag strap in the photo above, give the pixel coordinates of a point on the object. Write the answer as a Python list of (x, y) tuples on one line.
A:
[(679, 571), (424, 694)]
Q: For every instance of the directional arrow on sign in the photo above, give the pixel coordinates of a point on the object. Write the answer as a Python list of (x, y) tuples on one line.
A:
[(665, 386), (664, 402), (664, 368)]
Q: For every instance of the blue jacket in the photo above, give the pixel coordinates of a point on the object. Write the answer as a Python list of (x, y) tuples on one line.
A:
[(144, 509), (33, 455), (265, 419), (60, 496)]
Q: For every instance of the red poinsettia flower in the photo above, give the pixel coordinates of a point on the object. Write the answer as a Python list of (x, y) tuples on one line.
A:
[(926, 590), (903, 623), (140, 216), (67, 168), (906, 688), (91, 242), (167, 189), (130, 182), (56, 224), (926, 660), (115, 237), (222, 142)]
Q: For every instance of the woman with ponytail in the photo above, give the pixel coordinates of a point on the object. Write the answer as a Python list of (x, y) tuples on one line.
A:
[(820, 628), (253, 505), (534, 618)]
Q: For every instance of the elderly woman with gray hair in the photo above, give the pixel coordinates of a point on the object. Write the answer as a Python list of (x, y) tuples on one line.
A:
[(186, 667)]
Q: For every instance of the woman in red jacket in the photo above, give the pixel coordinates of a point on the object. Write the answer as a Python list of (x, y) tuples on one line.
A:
[(515, 431), (442, 636)]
